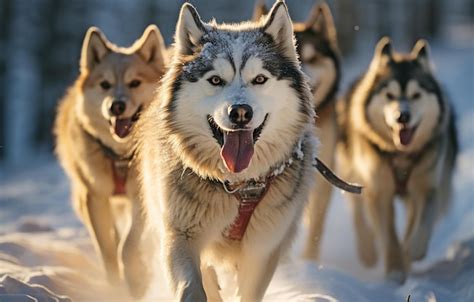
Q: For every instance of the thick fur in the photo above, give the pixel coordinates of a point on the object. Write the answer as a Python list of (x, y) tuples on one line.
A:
[(372, 153), (82, 129), (180, 159), (318, 50)]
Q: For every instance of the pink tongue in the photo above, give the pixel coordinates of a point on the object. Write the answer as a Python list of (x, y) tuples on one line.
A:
[(123, 126), (406, 135), (237, 150)]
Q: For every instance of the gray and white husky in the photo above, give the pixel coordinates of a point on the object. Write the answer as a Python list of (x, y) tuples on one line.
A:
[(226, 153), (398, 139)]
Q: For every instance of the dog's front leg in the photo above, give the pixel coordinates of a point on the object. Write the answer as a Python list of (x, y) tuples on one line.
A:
[(364, 233), (137, 248), (97, 215), (422, 214), (182, 263), (255, 272), (382, 214), (211, 284)]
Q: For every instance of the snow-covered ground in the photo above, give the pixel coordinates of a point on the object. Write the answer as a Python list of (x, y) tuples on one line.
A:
[(45, 252)]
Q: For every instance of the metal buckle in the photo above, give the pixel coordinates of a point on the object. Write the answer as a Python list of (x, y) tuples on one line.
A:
[(252, 191)]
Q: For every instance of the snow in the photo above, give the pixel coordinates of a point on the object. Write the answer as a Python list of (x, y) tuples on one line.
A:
[(46, 252)]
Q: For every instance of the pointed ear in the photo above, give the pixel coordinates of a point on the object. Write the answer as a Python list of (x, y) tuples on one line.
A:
[(189, 30), (278, 25), (321, 21), (383, 48), (260, 10), (382, 53), (421, 52), (94, 49), (151, 47)]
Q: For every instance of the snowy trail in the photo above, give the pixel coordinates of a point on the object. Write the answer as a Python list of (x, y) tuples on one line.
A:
[(42, 242)]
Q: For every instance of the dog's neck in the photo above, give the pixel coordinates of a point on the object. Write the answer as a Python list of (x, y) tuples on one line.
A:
[(109, 152), (403, 163), (119, 163), (249, 193)]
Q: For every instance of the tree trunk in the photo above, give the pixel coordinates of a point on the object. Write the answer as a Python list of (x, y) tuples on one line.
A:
[(22, 78)]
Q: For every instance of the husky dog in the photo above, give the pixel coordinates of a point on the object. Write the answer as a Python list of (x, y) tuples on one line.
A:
[(226, 153), (93, 131), (318, 51), (398, 139)]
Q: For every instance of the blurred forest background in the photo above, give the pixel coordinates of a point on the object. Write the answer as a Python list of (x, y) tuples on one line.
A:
[(40, 42)]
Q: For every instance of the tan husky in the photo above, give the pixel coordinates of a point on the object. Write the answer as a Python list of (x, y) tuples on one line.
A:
[(319, 54), (226, 153), (398, 139), (93, 132)]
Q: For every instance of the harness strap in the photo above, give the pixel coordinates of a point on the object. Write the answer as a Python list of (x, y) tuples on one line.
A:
[(119, 164), (402, 176), (248, 202), (119, 174), (252, 192)]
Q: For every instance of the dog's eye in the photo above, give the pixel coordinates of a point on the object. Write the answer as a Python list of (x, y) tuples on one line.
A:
[(216, 81), (416, 96), (134, 83), (105, 85), (259, 80), (390, 96)]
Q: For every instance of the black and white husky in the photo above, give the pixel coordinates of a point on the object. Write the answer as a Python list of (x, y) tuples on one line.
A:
[(226, 153), (398, 139)]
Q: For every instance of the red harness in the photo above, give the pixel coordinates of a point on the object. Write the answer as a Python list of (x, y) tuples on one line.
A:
[(119, 165), (119, 175), (251, 193), (249, 197)]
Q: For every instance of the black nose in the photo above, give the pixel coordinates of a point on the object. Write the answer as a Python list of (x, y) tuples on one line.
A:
[(240, 114), (404, 117), (118, 107)]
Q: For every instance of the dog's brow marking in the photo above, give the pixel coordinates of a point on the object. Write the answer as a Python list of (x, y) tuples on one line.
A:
[(245, 58), (231, 60)]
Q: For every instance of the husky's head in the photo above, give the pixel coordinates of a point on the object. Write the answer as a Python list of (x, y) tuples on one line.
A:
[(117, 83), (404, 104), (235, 99), (318, 49)]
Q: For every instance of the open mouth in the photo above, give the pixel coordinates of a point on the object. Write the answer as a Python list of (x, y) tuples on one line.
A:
[(405, 134), (237, 145), (123, 126)]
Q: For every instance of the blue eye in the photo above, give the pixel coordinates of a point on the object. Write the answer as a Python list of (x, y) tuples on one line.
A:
[(216, 81), (259, 80)]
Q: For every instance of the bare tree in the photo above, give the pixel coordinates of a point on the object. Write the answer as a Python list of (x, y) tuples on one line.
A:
[(22, 78)]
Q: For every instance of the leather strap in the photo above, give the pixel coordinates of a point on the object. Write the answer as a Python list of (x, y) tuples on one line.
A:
[(119, 164), (401, 177), (248, 202), (251, 192), (119, 175)]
